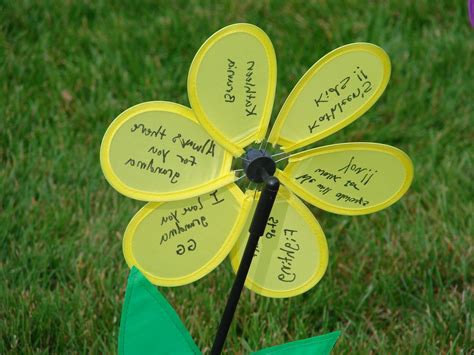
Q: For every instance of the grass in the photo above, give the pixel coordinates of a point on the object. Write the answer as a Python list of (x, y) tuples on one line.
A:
[(399, 281)]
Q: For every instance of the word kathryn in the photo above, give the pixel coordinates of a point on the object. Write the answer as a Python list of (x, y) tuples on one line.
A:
[(249, 86), (250, 92)]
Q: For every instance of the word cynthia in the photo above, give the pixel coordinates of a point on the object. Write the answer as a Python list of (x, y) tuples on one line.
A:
[(286, 259)]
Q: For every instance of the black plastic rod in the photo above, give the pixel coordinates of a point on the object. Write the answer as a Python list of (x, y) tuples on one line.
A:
[(257, 228)]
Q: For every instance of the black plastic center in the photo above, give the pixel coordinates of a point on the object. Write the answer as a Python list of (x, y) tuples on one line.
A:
[(256, 160)]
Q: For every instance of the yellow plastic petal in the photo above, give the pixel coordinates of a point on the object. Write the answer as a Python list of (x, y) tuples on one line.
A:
[(176, 243), (349, 178), (334, 92), (231, 85), (157, 151), (291, 256)]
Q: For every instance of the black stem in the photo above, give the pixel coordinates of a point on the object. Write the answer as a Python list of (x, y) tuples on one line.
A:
[(259, 222)]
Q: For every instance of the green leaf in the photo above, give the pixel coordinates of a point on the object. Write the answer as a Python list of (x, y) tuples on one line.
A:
[(149, 324), (320, 345)]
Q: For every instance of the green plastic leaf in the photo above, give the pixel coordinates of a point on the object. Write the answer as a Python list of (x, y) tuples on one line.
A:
[(149, 324), (320, 345)]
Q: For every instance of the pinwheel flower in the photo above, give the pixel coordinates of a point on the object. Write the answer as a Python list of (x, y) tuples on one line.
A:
[(179, 159)]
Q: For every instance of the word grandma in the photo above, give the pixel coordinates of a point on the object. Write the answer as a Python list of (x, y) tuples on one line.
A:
[(173, 176), (178, 229), (287, 256)]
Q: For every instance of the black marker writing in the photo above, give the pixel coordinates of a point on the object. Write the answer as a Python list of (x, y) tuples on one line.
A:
[(181, 248), (187, 161), (206, 148), (228, 97), (286, 259), (357, 169), (250, 106), (195, 222), (172, 175), (216, 199), (140, 127), (163, 153)]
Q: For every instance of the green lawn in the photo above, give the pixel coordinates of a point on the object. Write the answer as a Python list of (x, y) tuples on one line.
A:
[(398, 280)]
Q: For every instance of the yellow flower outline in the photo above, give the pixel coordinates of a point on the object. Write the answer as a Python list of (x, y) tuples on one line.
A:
[(237, 149)]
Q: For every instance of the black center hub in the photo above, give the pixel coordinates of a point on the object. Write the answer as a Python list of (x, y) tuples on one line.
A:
[(258, 163)]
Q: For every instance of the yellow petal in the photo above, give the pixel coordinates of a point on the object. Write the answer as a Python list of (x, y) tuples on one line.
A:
[(334, 92), (349, 178), (291, 256), (157, 151), (231, 85), (176, 243)]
